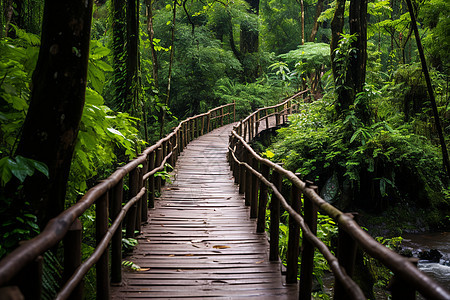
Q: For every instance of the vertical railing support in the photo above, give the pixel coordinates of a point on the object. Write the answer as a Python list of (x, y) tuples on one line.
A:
[(310, 216), (116, 242), (131, 217), (236, 167), (294, 238), (346, 255), (102, 266), (151, 180), (401, 289), (261, 224), (72, 256), (144, 200), (29, 279), (248, 179), (275, 219), (242, 169), (158, 162), (221, 116), (254, 191)]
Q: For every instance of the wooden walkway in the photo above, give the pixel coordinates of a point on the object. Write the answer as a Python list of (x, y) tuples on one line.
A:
[(199, 241)]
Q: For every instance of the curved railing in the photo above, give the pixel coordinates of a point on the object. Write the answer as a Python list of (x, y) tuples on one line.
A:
[(21, 270), (257, 175)]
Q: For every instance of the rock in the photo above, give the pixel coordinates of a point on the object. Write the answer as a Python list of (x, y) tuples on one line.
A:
[(432, 255)]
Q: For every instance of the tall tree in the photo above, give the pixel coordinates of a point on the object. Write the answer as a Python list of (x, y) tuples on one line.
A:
[(132, 70), (249, 41), (57, 99), (350, 79), (119, 54), (319, 8)]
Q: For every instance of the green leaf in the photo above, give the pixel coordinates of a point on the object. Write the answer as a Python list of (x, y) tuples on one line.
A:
[(116, 132), (40, 166), (104, 66), (5, 170), (22, 168)]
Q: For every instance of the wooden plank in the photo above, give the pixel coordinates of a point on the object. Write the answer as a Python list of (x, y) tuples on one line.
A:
[(199, 241)]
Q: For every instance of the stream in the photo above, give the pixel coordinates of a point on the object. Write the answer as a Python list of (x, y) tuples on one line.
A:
[(425, 242)]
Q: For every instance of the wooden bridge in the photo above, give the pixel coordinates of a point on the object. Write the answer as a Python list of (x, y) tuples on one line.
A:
[(204, 235)]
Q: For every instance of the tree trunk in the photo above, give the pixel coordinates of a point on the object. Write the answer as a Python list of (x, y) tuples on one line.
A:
[(118, 51), (58, 91), (151, 34), (131, 104), (315, 28), (302, 9), (249, 42), (169, 77), (358, 26), (430, 88), (355, 74), (337, 25)]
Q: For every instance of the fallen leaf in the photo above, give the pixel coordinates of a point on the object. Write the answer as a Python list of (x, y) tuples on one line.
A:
[(142, 269), (170, 255), (258, 262), (189, 255), (221, 247)]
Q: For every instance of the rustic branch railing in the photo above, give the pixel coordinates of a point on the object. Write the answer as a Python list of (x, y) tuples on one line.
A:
[(256, 175), (21, 270)]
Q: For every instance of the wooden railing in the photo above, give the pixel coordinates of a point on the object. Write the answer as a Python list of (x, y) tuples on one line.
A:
[(256, 176), (21, 270)]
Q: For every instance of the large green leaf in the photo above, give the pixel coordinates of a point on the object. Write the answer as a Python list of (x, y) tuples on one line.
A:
[(22, 168), (5, 170)]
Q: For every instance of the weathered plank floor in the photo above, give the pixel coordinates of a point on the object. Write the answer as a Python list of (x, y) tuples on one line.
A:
[(199, 241)]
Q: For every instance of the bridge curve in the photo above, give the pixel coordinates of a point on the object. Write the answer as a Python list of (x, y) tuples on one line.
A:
[(199, 240)]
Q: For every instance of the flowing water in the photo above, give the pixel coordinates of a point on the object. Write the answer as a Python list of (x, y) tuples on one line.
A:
[(425, 242)]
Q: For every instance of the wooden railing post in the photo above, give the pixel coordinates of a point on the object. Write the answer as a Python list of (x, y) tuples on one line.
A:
[(138, 219), (221, 116), (184, 136), (234, 110), (116, 242), (29, 279), (346, 255), (306, 272), (102, 267), (72, 256), (275, 219), (192, 130), (255, 188), (208, 121), (236, 168), (131, 217), (256, 123), (158, 162), (294, 238), (277, 117), (401, 289), (203, 125), (151, 180), (242, 170), (144, 200), (248, 179), (267, 118), (261, 224), (245, 130)]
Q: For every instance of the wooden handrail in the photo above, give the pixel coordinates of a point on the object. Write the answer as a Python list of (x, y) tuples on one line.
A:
[(142, 182), (240, 155)]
